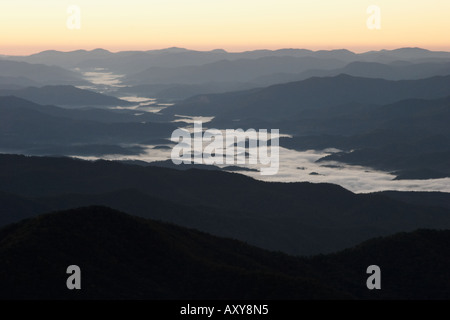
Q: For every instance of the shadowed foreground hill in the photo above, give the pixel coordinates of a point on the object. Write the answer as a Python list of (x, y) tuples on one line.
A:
[(126, 257), (297, 218), (123, 257), (414, 266)]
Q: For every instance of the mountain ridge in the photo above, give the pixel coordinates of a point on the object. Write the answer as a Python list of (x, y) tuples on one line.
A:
[(123, 257), (65, 95), (282, 101), (298, 218)]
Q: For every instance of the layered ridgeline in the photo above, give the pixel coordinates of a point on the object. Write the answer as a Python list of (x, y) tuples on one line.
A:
[(396, 126), (226, 76), (397, 70), (297, 218), (132, 62), (410, 138), (69, 96), (289, 100), (177, 73), (22, 74), (231, 75), (30, 128), (124, 257)]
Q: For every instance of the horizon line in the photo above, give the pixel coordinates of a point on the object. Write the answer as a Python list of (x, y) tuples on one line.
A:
[(229, 51)]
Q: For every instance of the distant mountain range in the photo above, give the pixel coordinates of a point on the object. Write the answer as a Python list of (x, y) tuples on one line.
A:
[(230, 71), (26, 74), (297, 218), (393, 125), (177, 73), (68, 96), (388, 110), (123, 257), (397, 126), (128, 62), (219, 77), (392, 71), (285, 101)]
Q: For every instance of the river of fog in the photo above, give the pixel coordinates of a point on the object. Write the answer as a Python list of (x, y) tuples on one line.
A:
[(298, 166), (294, 166)]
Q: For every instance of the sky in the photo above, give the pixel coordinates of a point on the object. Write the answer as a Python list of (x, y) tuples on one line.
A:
[(29, 26)]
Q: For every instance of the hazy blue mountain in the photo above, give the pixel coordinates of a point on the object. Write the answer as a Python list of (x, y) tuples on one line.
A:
[(298, 218), (176, 83), (357, 124), (66, 95), (129, 62), (395, 71), (392, 71), (287, 101), (242, 70), (124, 61), (12, 83), (411, 54), (31, 128), (66, 60), (123, 257), (40, 73), (410, 138), (171, 92), (94, 114)]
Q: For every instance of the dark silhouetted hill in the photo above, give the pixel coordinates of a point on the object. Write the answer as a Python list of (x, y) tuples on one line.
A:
[(298, 218), (438, 199), (413, 266), (123, 257)]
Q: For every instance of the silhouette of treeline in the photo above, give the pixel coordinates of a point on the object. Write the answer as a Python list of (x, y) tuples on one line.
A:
[(125, 257)]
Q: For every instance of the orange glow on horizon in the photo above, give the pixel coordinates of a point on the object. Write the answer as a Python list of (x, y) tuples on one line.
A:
[(33, 26)]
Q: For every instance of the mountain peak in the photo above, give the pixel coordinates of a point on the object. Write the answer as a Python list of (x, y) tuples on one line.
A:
[(100, 50), (411, 49), (219, 51)]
